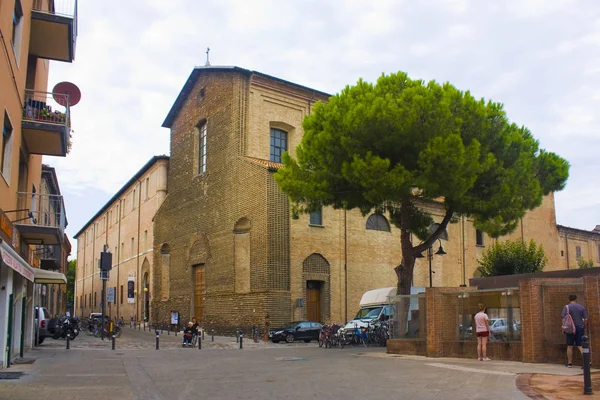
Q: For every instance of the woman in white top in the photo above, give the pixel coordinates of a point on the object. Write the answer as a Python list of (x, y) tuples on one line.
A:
[(482, 327)]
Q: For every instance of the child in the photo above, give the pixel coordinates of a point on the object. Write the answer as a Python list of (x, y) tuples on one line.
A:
[(188, 332)]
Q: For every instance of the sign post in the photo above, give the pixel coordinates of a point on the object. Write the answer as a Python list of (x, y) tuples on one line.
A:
[(105, 267)]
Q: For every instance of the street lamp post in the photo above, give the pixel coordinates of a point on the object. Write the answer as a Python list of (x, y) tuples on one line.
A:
[(430, 255)]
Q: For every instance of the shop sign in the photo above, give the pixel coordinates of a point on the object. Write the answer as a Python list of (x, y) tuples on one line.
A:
[(6, 228)]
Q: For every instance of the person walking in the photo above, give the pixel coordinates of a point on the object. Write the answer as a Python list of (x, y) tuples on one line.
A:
[(579, 316), (482, 329)]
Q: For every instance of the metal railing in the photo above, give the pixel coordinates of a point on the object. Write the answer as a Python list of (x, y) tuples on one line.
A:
[(41, 210), (47, 108), (64, 8), (48, 252)]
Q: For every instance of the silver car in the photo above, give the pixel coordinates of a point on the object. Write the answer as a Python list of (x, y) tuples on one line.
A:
[(41, 323)]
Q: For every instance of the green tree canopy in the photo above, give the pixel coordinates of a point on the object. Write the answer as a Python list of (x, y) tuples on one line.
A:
[(584, 264), (512, 257), (71, 281), (390, 146)]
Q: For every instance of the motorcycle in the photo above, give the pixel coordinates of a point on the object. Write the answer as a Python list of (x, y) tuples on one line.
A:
[(66, 326)]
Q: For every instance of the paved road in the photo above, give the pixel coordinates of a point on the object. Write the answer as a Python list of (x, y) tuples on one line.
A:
[(90, 370)]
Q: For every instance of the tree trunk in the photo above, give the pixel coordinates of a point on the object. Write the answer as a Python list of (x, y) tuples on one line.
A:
[(405, 274)]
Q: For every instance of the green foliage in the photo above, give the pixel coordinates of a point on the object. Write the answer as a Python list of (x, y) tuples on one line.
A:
[(71, 281), (392, 145), (509, 258), (582, 263)]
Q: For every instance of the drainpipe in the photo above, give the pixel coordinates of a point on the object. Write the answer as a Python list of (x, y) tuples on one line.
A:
[(464, 253), (138, 278), (119, 211), (567, 249), (346, 266), (93, 266), (107, 247)]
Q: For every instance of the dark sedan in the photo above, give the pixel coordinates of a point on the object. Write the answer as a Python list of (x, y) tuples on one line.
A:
[(303, 330)]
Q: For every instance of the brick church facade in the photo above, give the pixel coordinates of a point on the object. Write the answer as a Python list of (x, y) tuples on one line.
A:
[(226, 248)]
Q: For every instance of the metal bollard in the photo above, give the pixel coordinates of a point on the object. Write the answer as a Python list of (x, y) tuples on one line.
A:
[(139, 326), (168, 330), (212, 333), (68, 342), (144, 327), (176, 329), (199, 342), (202, 333), (113, 342), (241, 340), (237, 335), (157, 336), (587, 377)]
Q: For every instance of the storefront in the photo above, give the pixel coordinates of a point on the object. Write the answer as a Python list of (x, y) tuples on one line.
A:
[(16, 304)]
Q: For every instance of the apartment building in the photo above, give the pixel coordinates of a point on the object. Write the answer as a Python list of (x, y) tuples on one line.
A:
[(35, 123), (124, 227), (226, 248)]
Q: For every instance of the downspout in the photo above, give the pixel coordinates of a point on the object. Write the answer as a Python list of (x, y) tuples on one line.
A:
[(138, 277), (83, 275), (119, 211), (464, 253), (92, 306), (107, 247), (346, 266), (567, 248)]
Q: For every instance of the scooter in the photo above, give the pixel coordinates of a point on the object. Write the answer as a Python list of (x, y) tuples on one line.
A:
[(67, 326)]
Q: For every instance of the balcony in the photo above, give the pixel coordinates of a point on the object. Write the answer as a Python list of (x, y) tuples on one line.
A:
[(50, 257), (41, 218), (46, 124), (53, 29)]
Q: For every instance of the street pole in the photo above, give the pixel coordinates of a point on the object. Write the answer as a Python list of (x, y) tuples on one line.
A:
[(103, 307), (430, 256)]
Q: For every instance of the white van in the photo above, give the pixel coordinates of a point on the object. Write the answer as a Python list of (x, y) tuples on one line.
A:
[(376, 305)]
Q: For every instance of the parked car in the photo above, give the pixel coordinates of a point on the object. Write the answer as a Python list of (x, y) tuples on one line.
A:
[(98, 316), (41, 323), (301, 330)]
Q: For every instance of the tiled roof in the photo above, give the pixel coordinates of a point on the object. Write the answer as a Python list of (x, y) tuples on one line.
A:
[(264, 163)]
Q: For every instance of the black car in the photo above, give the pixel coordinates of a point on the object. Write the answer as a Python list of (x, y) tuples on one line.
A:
[(303, 330)]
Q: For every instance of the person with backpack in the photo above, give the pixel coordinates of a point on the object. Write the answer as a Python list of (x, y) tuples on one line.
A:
[(574, 318)]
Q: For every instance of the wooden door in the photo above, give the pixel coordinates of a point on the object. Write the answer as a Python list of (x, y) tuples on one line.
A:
[(313, 301), (199, 292)]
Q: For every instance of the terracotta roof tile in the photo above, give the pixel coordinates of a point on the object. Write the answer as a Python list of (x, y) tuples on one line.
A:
[(264, 163)]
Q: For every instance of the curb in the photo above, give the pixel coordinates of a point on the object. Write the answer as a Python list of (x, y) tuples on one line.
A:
[(523, 384)]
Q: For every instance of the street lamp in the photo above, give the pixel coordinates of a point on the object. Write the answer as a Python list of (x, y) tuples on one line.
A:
[(430, 254)]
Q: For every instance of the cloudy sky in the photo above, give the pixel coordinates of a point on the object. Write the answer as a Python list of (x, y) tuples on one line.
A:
[(541, 58)]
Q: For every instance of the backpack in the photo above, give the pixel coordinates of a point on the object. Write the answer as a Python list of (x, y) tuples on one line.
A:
[(568, 326)]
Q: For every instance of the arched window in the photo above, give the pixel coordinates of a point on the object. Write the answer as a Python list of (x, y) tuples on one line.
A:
[(378, 222)]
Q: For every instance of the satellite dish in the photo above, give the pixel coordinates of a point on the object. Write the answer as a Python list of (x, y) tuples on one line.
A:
[(69, 89)]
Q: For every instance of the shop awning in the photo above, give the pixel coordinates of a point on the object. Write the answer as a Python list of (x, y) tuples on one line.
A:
[(50, 277), (14, 261)]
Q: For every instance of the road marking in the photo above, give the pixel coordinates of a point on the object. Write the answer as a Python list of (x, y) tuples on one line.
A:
[(467, 369)]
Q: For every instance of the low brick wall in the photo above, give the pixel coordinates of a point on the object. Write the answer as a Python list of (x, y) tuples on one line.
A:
[(512, 351), (412, 347)]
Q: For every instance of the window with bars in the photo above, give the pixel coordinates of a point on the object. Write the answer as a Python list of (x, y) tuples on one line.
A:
[(278, 144), (578, 252)]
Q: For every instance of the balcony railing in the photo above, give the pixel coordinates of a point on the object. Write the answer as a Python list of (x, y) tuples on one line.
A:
[(47, 15), (50, 256), (46, 122), (46, 107), (42, 216)]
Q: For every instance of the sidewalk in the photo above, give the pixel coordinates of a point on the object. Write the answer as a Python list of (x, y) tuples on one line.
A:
[(538, 381)]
